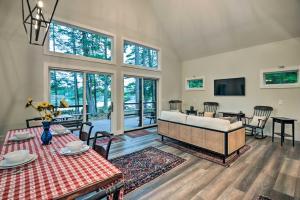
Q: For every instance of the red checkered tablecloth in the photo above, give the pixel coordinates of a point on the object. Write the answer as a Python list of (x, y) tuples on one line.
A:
[(52, 175)]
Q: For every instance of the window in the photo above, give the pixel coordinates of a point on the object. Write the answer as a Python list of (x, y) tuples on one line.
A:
[(140, 55), (283, 77), (194, 83), (72, 40), (66, 85)]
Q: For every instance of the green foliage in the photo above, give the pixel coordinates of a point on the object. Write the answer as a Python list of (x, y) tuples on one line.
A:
[(195, 83), (69, 85), (72, 40), (284, 77), (135, 54)]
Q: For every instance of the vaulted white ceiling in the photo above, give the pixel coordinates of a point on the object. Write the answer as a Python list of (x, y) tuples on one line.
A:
[(198, 28)]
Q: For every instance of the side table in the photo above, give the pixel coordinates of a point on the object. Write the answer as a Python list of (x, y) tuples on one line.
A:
[(283, 121)]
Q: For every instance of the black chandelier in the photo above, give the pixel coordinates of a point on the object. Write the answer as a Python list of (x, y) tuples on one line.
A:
[(37, 18)]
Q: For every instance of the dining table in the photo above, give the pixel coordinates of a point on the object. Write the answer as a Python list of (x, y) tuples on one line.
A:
[(53, 175)]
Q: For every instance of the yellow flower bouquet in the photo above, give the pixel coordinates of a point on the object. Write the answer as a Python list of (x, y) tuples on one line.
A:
[(47, 113), (45, 109)]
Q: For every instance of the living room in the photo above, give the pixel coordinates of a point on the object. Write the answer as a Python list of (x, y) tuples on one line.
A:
[(141, 88)]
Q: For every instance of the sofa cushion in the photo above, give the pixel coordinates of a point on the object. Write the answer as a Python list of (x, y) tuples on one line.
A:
[(236, 125), (173, 116), (208, 122)]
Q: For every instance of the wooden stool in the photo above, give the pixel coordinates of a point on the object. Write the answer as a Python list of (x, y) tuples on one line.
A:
[(283, 121)]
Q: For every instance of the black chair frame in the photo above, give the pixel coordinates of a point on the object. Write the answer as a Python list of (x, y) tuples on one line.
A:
[(28, 125), (114, 190), (81, 132), (103, 134), (72, 125)]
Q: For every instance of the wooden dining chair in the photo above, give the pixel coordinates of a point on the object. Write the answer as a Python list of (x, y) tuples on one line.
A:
[(255, 125), (103, 149), (114, 190), (85, 133)]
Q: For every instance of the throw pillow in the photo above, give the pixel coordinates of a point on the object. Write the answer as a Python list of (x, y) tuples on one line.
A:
[(257, 121), (208, 114)]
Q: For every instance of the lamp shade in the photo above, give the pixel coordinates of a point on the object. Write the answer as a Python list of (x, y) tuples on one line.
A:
[(37, 16)]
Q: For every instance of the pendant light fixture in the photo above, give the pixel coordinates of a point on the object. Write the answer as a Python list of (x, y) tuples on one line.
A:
[(37, 16)]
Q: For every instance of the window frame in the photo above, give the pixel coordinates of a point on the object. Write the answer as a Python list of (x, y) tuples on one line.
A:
[(159, 68), (80, 57), (194, 78), (263, 84)]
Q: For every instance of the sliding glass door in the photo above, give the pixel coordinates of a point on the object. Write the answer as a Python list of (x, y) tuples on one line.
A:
[(150, 101), (99, 101), (96, 106), (140, 102), (67, 85)]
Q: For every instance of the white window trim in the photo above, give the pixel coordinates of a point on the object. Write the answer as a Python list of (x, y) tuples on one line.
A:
[(279, 69), (85, 69), (159, 68), (194, 78), (79, 57)]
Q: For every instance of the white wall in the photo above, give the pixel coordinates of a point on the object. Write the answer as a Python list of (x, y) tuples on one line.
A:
[(21, 64), (247, 63)]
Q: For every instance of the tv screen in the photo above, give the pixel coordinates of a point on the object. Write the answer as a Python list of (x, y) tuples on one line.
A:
[(230, 87)]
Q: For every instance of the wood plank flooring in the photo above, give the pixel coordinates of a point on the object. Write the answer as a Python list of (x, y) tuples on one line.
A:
[(266, 169)]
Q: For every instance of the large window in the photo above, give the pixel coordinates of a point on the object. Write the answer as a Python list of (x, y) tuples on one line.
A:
[(72, 40), (66, 85), (285, 77), (69, 85), (140, 55)]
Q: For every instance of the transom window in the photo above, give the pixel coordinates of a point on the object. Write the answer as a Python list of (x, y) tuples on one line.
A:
[(195, 83), (285, 77), (72, 40), (140, 55), (288, 77)]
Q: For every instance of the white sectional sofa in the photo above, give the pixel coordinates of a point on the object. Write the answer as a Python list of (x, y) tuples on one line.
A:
[(213, 134)]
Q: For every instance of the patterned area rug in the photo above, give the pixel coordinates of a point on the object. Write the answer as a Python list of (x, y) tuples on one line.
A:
[(138, 133), (201, 153), (142, 166), (105, 140)]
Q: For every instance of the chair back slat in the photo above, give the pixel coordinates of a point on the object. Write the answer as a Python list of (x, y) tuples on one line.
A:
[(211, 106)]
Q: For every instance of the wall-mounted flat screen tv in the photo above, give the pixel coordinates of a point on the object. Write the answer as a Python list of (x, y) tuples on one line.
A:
[(230, 87)]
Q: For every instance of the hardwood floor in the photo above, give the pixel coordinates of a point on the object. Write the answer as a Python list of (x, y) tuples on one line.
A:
[(266, 169)]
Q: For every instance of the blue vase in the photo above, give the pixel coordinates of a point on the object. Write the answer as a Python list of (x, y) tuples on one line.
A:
[(46, 135)]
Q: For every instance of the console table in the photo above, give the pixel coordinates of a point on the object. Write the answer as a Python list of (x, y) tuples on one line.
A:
[(283, 121), (238, 115)]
